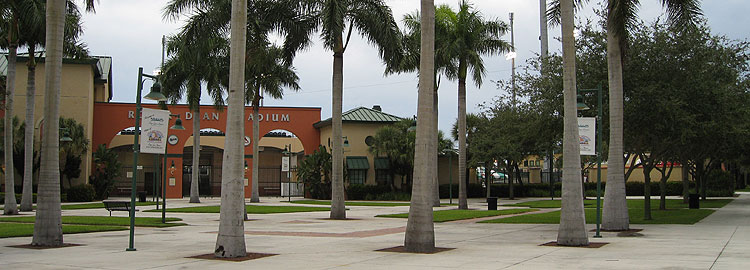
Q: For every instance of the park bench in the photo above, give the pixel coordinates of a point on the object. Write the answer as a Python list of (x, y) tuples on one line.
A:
[(117, 206)]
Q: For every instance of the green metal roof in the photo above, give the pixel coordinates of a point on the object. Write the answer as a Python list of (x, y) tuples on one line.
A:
[(382, 163), (357, 163), (362, 114)]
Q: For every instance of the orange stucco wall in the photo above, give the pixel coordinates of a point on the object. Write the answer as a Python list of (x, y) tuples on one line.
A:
[(111, 118)]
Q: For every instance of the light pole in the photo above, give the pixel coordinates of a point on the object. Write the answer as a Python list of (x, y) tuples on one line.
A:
[(177, 126), (450, 152), (156, 95), (598, 92)]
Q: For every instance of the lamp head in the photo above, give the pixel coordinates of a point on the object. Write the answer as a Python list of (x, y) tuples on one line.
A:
[(580, 105), (155, 93), (177, 124)]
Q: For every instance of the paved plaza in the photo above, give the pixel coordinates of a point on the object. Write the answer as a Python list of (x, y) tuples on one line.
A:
[(311, 241)]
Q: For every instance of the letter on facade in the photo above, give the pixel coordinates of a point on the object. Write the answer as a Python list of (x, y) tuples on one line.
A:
[(188, 115), (284, 118), (215, 116), (131, 115)]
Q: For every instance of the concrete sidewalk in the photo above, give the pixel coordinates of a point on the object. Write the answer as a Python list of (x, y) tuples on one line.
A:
[(311, 241)]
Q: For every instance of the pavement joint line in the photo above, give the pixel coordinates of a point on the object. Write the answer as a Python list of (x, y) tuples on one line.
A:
[(532, 258), (723, 248)]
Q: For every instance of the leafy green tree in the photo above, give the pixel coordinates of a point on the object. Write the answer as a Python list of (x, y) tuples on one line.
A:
[(72, 153), (106, 168), (315, 172)]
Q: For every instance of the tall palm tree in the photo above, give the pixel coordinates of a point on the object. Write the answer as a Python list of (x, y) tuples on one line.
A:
[(211, 17), (420, 230), (48, 222), (621, 18), (10, 15), (409, 62), (470, 37), (373, 19), (267, 74), (196, 57), (572, 229), (231, 239), (33, 37)]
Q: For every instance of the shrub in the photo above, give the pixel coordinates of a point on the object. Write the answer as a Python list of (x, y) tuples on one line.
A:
[(81, 193), (106, 169), (719, 184)]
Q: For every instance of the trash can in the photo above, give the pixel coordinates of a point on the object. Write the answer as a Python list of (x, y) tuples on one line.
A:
[(142, 196), (693, 202), (491, 203)]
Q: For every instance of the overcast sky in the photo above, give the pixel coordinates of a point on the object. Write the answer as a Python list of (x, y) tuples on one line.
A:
[(131, 31)]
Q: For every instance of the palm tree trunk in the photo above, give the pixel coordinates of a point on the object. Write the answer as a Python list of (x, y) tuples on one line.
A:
[(434, 150), (230, 241), (255, 195), (195, 174), (338, 204), (420, 230), (11, 208), (512, 170), (48, 223), (615, 211), (28, 157), (462, 203), (572, 230)]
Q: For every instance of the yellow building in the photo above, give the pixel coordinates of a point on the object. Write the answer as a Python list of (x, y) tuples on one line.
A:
[(84, 81)]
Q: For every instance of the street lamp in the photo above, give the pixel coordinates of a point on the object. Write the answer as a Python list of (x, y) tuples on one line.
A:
[(177, 126), (450, 153), (156, 95), (583, 106)]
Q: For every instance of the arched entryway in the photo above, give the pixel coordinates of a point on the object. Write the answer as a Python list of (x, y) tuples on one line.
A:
[(275, 178)]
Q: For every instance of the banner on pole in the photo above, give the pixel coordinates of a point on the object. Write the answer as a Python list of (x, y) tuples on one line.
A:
[(154, 124), (284, 164), (587, 135)]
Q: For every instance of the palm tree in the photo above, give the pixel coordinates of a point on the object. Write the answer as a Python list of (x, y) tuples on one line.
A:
[(10, 15), (410, 62), (268, 73), (470, 37), (621, 17), (212, 18), (231, 239), (373, 19), (33, 37), (197, 57), (420, 230), (48, 222), (572, 229)]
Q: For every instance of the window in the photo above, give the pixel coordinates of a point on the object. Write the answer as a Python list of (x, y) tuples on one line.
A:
[(526, 163), (357, 176), (357, 169)]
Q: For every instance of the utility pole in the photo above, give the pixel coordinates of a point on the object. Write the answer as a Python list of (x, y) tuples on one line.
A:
[(513, 63)]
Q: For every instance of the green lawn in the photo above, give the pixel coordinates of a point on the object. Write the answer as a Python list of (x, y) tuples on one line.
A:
[(103, 220), (671, 216), (451, 215), (743, 190), (350, 203), (27, 229), (251, 209), (96, 205), (632, 203), (92, 205)]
